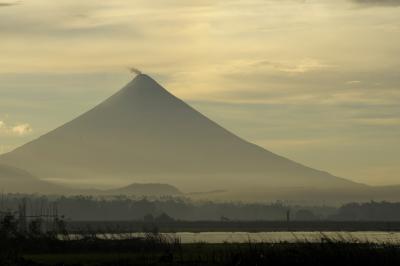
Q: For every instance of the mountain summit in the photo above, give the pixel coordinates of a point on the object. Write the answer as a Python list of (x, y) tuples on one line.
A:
[(145, 134)]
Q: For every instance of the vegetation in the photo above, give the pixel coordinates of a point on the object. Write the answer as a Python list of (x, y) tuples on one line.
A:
[(34, 246), (123, 208), (157, 250)]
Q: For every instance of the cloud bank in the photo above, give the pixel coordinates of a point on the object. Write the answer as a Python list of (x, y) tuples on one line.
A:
[(8, 4), (17, 130), (378, 2)]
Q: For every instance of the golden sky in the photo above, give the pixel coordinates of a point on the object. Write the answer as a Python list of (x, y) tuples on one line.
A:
[(315, 81)]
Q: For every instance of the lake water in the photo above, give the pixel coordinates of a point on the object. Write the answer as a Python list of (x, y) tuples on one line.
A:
[(274, 237)]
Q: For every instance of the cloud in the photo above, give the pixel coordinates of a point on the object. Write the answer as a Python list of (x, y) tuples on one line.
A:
[(379, 121), (377, 2), (8, 4), (351, 82), (303, 66), (21, 129), (18, 129)]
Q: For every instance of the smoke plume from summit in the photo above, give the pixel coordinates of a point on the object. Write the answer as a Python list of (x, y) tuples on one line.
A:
[(135, 71)]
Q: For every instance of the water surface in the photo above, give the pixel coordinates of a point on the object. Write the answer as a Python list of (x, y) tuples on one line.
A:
[(274, 237)]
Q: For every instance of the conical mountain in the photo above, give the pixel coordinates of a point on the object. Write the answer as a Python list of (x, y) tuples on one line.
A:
[(145, 134)]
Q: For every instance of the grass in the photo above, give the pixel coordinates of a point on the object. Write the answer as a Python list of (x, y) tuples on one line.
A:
[(35, 248), (158, 250)]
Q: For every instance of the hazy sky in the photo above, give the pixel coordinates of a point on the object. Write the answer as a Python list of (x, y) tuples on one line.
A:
[(317, 81)]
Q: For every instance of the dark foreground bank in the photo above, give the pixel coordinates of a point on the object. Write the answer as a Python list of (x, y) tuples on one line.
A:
[(156, 249)]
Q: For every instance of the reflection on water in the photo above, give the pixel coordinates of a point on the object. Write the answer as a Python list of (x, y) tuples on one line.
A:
[(271, 237)]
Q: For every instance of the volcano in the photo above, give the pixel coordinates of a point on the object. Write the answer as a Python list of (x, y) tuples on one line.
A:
[(145, 134)]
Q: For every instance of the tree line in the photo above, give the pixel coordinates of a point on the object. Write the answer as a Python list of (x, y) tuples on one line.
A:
[(121, 208)]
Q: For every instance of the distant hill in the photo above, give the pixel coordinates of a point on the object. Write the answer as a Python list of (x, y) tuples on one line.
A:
[(146, 190), (15, 180), (144, 134), (305, 195)]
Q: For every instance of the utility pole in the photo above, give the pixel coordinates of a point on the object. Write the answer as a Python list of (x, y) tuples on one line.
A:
[(288, 215), (22, 216)]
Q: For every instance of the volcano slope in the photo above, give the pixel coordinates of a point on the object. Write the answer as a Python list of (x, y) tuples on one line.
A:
[(145, 134)]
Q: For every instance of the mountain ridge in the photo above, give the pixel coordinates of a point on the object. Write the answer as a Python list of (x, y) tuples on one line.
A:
[(16, 180), (146, 189)]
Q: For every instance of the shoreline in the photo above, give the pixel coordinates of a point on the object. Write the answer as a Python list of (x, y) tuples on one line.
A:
[(232, 226)]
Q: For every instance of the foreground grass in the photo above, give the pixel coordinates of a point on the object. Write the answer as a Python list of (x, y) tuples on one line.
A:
[(22, 248), (157, 251)]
